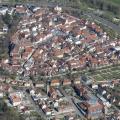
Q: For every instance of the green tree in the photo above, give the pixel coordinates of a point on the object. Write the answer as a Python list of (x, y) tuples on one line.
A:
[(8, 113), (7, 18)]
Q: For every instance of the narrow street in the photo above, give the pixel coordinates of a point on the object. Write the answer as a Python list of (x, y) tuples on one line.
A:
[(36, 107), (73, 104)]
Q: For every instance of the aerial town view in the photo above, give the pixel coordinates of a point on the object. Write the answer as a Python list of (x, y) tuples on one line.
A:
[(59, 59)]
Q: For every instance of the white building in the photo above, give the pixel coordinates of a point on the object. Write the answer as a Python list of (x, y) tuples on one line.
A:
[(1, 94), (15, 98), (3, 10)]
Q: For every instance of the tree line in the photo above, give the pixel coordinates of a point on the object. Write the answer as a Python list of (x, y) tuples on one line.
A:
[(104, 5)]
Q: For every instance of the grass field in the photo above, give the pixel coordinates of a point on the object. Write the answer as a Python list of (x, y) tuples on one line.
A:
[(115, 1)]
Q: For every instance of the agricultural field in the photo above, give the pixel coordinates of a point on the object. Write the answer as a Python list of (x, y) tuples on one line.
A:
[(107, 74)]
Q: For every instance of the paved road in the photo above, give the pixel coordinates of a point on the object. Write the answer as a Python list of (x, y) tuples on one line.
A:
[(70, 100), (37, 109), (104, 22), (101, 20)]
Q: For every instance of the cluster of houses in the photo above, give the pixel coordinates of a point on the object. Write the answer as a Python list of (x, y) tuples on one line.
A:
[(48, 98), (90, 105), (106, 91), (19, 100), (16, 98), (51, 100), (52, 103), (49, 42), (109, 93)]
